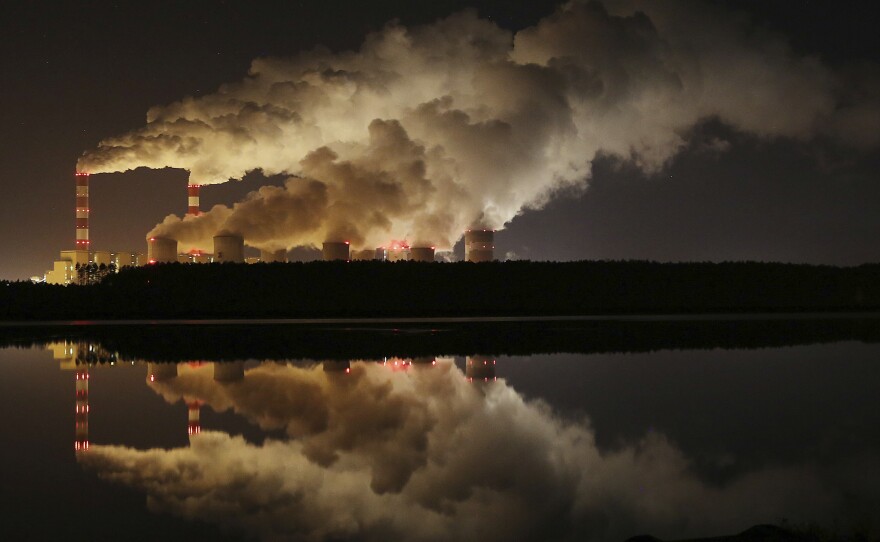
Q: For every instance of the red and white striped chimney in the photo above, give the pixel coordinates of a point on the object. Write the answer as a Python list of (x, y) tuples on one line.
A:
[(81, 440), (82, 211), (193, 192)]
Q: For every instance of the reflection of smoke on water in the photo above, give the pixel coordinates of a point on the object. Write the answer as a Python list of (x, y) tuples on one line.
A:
[(424, 455)]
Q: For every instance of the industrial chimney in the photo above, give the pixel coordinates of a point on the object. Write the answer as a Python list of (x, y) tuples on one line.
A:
[(193, 200), (161, 250), (82, 211), (228, 248), (334, 250), (479, 245), (421, 254)]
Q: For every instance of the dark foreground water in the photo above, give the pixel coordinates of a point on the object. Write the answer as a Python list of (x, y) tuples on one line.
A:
[(101, 443)]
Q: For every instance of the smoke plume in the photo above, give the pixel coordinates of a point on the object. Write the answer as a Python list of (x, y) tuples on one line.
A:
[(426, 131), (425, 455)]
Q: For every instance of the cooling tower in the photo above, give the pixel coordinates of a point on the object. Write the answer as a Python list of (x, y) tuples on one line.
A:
[(82, 211), (421, 254), (269, 256), (228, 248), (479, 245), (363, 255), (161, 250), (193, 199), (335, 251), (380, 254)]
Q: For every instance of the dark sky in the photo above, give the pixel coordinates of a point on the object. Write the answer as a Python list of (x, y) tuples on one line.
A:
[(74, 74)]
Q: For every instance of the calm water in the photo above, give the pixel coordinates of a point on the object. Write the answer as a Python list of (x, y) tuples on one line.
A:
[(101, 444)]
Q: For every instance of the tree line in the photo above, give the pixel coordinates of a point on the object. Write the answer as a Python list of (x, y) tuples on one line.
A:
[(411, 289)]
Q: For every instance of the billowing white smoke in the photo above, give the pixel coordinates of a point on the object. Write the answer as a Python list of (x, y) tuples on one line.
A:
[(425, 455), (426, 131)]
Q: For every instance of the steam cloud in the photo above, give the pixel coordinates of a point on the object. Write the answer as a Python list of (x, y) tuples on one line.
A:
[(429, 130), (425, 455)]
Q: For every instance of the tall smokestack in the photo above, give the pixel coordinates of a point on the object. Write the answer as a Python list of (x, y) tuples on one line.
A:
[(479, 245), (82, 211), (193, 192)]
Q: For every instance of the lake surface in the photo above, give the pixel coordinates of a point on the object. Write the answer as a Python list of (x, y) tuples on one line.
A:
[(458, 432)]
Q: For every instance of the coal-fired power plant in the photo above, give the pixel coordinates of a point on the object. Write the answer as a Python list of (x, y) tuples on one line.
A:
[(421, 254), (479, 245), (335, 250), (228, 248), (82, 211), (161, 250), (192, 208)]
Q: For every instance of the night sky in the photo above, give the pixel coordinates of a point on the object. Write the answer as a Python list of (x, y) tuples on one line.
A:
[(75, 74)]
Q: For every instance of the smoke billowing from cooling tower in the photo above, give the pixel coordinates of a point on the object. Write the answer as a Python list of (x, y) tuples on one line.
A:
[(426, 131)]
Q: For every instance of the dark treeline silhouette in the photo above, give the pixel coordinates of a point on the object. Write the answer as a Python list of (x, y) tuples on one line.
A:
[(221, 342), (407, 289)]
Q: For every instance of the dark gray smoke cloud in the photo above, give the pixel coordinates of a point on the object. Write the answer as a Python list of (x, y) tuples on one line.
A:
[(425, 131), (426, 455)]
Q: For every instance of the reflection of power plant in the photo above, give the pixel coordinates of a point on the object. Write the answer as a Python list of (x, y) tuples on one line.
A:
[(81, 356)]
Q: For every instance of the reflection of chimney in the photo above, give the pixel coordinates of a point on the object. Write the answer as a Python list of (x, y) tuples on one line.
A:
[(479, 245), (480, 368), (81, 418), (194, 426), (193, 200), (82, 211)]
